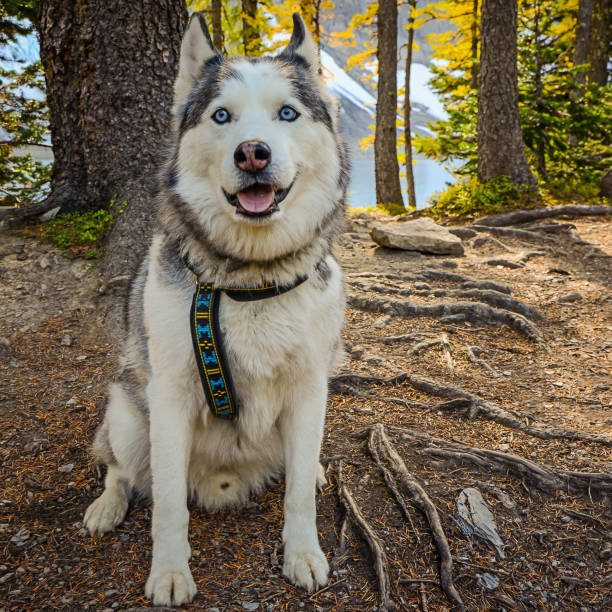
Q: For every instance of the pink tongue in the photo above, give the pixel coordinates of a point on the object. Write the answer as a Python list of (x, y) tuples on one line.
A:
[(256, 199)]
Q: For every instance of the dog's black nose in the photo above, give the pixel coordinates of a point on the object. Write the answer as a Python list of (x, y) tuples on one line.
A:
[(252, 155)]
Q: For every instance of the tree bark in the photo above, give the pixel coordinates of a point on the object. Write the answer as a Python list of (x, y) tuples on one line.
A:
[(500, 140), (250, 35), (109, 68), (217, 28), (474, 35), (388, 190), (583, 35), (599, 47), (407, 108)]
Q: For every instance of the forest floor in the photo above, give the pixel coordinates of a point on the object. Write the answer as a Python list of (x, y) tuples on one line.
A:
[(535, 386)]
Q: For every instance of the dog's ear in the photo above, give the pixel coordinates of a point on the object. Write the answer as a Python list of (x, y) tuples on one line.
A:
[(196, 49), (301, 43)]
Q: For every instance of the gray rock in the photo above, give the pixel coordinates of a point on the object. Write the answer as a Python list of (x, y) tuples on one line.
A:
[(21, 537), (44, 262), (250, 605), (570, 297), (463, 232), (422, 235), (476, 518), (66, 468), (488, 581), (66, 340)]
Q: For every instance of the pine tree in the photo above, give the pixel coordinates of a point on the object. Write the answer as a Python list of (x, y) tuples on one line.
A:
[(500, 140), (388, 191)]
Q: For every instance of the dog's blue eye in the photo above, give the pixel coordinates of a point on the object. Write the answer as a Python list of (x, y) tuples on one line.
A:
[(221, 115), (287, 113)]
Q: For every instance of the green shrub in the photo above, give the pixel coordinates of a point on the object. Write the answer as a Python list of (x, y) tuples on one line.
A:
[(469, 199), (80, 234)]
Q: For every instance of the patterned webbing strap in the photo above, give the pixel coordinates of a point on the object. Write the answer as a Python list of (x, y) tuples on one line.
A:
[(208, 340)]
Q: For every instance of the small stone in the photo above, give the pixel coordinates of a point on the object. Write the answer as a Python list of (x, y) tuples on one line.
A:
[(422, 286), (44, 262), (566, 519), (81, 358), (251, 605), (64, 469), (6, 577), (488, 581), (71, 402), (20, 538), (507, 373), (66, 340), (569, 298)]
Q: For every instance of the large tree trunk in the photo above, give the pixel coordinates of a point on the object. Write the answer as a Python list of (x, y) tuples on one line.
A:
[(217, 28), (500, 140), (407, 108), (250, 35), (474, 44), (583, 35), (110, 67), (388, 191), (599, 48)]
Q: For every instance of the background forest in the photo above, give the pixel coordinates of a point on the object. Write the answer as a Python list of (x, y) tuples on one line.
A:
[(564, 100)]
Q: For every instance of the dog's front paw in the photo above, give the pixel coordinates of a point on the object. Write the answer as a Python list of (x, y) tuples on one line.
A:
[(307, 569), (105, 513), (172, 587)]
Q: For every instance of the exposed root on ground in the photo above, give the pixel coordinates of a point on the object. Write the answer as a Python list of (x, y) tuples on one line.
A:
[(524, 216), (544, 478), (514, 233), (379, 445), (475, 312), (473, 353), (376, 545), (478, 406)]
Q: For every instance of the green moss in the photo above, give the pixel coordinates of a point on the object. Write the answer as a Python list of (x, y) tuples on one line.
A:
[(82, 233)]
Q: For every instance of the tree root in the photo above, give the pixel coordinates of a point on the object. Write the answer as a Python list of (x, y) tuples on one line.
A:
[(376, 545), (544, 478), (524, 216), (380, 444), (493, 298), (473, 357), (474, 312), (513, 233), (13, 213), (478, 406)]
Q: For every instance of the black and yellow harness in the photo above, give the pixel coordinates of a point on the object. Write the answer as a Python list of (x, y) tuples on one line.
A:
[(208, 339)]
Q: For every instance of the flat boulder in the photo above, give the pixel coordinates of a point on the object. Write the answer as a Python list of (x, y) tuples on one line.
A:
[(423, 235)]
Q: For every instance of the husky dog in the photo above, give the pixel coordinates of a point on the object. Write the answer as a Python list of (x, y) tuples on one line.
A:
[(253, 193)]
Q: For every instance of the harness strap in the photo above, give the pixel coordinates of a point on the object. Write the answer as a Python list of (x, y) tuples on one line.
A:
[(208, 342)]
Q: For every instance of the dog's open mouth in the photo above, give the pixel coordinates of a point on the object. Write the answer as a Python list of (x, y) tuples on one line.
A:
[(258, 200)]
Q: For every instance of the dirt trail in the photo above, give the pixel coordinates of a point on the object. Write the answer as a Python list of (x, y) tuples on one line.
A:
[(55, 364)]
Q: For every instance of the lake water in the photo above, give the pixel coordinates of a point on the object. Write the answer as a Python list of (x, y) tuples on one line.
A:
[(429, 176)]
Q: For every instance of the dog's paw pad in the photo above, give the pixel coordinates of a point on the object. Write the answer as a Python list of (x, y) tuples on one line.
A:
[(307, 569), (171, 588), (105, 513)]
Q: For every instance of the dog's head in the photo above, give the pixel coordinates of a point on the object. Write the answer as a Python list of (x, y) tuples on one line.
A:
[(258, 160)]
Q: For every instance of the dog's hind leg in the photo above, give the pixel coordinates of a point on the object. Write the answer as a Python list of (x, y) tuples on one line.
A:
[(122, 444), (106, 512)]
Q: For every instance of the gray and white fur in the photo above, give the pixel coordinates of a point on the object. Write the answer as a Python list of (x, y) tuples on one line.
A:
[(237, 151)]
